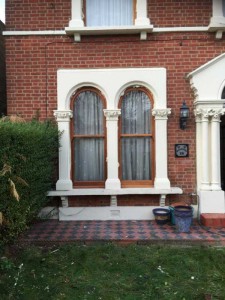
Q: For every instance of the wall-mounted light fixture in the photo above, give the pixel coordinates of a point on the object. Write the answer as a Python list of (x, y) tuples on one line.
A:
[(184, 115)]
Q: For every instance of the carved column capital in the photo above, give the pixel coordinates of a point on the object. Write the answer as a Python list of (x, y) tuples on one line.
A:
[(216, 114), (200, 114), (161, 113), (208, 114), (112, 114), (63, 115)]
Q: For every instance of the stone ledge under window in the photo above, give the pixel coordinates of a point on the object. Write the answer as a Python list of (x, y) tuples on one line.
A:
[(79, 31), (124, 191)]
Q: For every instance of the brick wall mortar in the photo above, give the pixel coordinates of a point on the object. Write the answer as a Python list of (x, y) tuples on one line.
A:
[(32, 63), (55, 15)]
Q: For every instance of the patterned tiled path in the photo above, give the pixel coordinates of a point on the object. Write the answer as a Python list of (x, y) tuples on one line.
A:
[(124, 232)]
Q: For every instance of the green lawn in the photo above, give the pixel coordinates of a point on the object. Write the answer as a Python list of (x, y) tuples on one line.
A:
[(113, 272)]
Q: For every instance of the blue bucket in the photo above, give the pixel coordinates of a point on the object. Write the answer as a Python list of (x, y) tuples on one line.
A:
[(183, 218), (172, 217)]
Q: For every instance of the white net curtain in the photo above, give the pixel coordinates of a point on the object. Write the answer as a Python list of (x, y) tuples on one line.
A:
[(135, 136), (109, 12), (89, 140)]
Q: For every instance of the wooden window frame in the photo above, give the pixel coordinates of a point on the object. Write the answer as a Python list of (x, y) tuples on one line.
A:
[(87, 184), (134, 12), (137, 183)]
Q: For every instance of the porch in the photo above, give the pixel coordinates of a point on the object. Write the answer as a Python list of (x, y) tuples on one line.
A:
[(122, 232)]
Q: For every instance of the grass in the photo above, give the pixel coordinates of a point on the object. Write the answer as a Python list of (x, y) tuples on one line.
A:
[(110, 271)]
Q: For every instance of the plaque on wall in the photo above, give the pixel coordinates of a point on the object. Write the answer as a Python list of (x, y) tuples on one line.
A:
[(181, 150)]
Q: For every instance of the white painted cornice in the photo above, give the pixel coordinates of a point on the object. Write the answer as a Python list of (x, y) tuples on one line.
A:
[(34, 32), (89, 31)]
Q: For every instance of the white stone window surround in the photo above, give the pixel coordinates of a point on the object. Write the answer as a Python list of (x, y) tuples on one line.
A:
[(112, 83), (207, 83), (217, 22), (77, 27)]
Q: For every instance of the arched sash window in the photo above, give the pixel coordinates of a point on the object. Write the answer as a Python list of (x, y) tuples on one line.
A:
[(136, 138), (88, 139)]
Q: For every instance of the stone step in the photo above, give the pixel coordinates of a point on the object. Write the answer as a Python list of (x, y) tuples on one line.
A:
[(213, 220)]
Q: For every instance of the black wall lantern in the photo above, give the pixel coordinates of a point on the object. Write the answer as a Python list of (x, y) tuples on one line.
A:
[(184, 115)]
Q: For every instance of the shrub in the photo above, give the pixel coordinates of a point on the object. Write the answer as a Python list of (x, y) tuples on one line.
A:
[(28, 156)]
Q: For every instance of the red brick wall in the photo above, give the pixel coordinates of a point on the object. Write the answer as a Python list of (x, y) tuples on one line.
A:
[(51, 14), (37, 14), (32, 63), (179, 12)]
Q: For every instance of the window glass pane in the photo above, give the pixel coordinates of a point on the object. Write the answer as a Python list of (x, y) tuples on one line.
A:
[(88, 114), (135, 112), (89, 156), (136, 158), (223, 94), (89, 159), (109, 12), (224, 8)]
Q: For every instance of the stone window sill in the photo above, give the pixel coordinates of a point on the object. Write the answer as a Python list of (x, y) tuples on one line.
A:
[(110, 192), (79, 31)]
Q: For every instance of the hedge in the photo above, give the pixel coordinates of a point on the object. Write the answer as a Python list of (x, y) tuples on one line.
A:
[(28, 158)]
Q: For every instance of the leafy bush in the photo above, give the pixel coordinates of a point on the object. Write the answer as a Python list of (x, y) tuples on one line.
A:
[(28, 156)]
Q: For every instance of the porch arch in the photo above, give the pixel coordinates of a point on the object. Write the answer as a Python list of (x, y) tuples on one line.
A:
[(206, 83)]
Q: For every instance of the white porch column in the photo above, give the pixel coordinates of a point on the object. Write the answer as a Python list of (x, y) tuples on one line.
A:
[(215, 150), (205, 151), (63, 118), (76, 14), (112, 116), (198, 147), (161, 173)]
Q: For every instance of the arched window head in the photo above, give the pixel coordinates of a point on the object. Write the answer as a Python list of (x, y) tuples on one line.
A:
[(88, 138), (136, 138)]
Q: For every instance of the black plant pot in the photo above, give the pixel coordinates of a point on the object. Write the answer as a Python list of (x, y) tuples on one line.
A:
[(162, 215)]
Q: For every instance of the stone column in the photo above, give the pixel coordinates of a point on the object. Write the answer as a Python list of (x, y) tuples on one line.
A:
[(63, 118), (215, 150), (198, 146), (161, 173), (205, 150), (112, 116)]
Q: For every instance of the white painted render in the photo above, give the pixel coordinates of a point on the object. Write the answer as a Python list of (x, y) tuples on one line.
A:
[(207, 83), (112, 83), (127, 30)]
